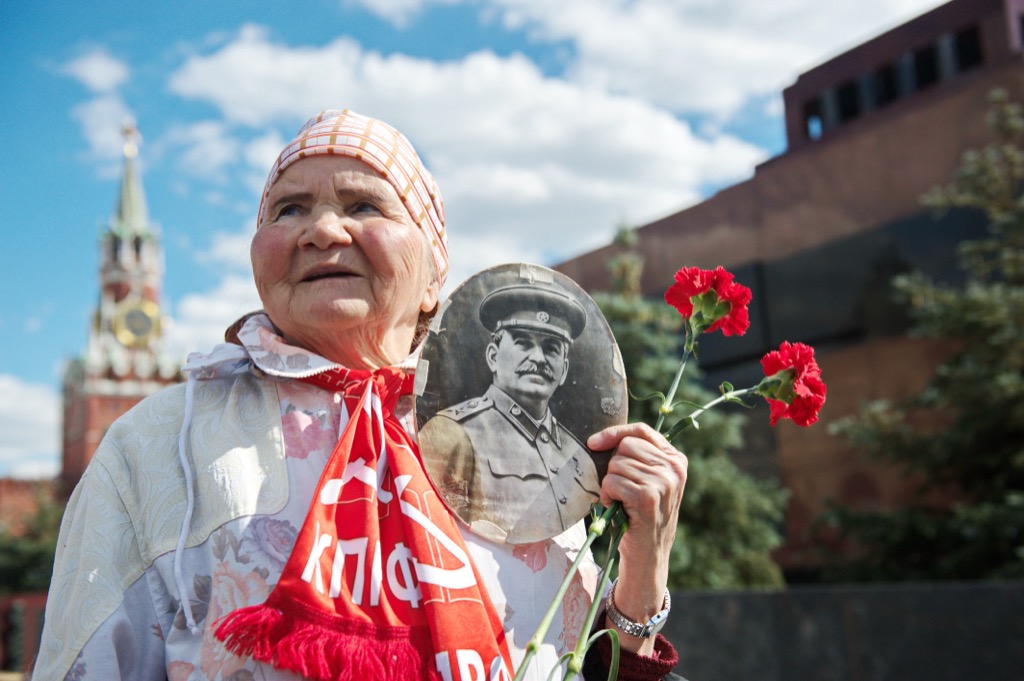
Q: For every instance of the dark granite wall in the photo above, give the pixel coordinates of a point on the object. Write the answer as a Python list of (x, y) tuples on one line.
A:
[(842, 291), (912, 632)]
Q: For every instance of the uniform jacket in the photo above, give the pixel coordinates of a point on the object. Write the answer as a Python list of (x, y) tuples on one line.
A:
[(508, 475)]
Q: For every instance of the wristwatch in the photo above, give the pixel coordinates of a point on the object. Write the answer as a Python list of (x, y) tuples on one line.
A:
[(637, 629)]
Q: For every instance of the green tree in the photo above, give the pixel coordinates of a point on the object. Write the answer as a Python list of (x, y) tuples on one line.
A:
[(26, 559), (728, 523), (963, 436)]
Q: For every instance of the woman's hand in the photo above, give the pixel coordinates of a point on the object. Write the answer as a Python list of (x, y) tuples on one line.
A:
[(646, 475)]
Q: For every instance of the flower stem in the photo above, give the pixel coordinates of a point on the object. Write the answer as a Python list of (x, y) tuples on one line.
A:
[(666, 407), (596, 529), (725, 397), (584, 642)]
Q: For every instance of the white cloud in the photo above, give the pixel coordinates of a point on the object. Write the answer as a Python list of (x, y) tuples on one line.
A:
[(255, 82), (398, 12), (532, 167), (205, 148), (706, 56), (544, 167), (30, 423), (231, 249), (488, 250), (201, 318), (102, 119), (698, 56), (98, 71), (261, 152)]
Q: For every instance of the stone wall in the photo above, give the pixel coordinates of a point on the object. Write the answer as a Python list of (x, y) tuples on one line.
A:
[(911, 632), (20, 500)]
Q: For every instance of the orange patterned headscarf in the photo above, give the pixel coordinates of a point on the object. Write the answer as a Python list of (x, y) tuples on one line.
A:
[(384, 149)]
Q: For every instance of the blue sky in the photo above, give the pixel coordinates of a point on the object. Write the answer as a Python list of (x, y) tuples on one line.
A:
[(546, 123)]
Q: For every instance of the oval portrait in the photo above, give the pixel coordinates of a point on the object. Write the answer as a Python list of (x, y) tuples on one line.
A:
[(518, 370)]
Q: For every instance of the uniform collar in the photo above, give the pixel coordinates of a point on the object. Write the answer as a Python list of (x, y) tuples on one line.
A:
[(519, 417)]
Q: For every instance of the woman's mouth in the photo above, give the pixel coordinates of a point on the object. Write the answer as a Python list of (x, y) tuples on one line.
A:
[(321, 273)]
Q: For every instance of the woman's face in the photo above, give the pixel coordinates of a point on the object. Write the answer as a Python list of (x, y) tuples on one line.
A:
[(340, 266)]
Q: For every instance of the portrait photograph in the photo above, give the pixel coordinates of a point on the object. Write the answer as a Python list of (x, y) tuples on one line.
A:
[(518, 369)]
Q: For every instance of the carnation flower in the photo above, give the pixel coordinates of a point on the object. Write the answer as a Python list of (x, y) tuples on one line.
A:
[(792, 384), (710, 300)]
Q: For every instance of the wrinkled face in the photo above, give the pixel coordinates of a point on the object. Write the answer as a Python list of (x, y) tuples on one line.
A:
[(528, 366), (340, 266)]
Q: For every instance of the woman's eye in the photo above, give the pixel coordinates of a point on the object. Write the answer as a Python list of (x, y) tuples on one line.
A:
[(364, 207), (287, 211)]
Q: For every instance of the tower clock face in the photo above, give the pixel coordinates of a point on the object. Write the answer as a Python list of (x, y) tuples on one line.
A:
[(136, 322)]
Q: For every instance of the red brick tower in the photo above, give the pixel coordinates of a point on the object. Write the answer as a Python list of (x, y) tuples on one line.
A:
[(123, 361)]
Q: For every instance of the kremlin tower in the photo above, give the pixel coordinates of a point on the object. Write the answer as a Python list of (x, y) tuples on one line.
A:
[(124, 360)]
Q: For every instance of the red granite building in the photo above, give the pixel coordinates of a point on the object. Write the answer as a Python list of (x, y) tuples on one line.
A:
[(819, 231)]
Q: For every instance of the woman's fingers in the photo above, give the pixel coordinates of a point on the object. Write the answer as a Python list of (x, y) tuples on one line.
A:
[(644, 472)]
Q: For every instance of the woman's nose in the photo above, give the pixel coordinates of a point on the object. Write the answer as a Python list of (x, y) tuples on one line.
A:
[(326, 228)]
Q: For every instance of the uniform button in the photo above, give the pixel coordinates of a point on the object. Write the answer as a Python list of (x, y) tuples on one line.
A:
[(544, 437), (516, 411), (563, 500), (473, 404)]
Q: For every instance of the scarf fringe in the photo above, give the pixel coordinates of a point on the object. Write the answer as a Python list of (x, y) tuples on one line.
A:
[(343, 651)]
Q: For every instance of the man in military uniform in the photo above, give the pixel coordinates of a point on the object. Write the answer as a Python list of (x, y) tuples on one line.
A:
[(510, 469)]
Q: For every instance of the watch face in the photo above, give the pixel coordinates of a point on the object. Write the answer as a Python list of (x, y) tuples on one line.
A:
[(657, 623), (136, 322)]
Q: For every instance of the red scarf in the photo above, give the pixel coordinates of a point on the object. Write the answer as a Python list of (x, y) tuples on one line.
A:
[(379, 584)]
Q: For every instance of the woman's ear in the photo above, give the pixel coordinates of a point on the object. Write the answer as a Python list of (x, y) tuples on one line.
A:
[(430, 296)]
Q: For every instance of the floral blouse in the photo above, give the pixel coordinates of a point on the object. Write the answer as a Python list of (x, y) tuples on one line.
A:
[(258, 442)]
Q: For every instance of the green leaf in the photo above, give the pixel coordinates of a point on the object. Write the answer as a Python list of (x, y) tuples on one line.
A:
[(648, 397), (681, 425)]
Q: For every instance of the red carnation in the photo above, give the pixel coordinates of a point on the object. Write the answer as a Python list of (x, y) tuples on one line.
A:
[(710, 300), (793, 385)]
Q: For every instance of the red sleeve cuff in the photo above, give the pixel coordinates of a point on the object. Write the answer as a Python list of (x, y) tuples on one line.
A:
[(633, 667)]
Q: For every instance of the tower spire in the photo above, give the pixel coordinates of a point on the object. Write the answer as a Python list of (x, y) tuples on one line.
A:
[(131, 217)]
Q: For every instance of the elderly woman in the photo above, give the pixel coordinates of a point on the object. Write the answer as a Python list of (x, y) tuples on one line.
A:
[(270, 519)]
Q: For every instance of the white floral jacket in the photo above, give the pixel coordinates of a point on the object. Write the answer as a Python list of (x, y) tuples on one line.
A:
[(257, 444)]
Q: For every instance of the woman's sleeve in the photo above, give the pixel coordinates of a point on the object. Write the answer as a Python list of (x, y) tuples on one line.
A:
[(100, 620), (632, 667)]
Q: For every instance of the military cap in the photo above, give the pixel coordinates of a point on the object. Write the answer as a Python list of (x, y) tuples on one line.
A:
[(533, 308)]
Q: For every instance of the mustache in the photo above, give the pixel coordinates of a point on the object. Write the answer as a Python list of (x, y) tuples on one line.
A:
[(531, 367)]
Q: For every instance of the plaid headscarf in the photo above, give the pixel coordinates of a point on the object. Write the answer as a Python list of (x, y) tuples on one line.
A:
[(384, 149)]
